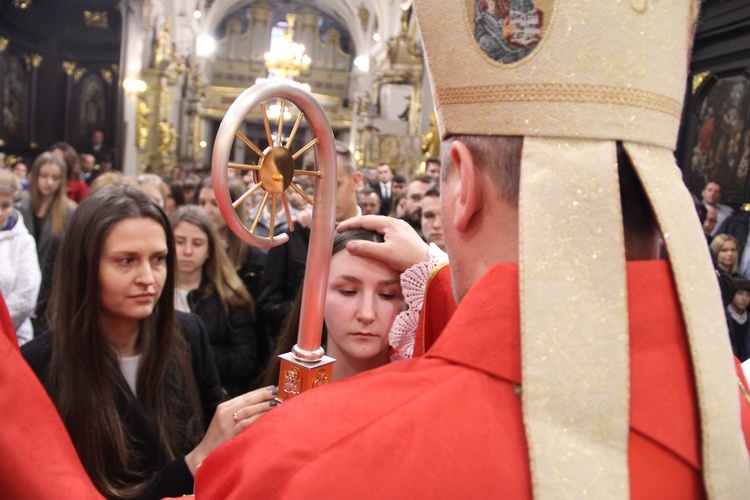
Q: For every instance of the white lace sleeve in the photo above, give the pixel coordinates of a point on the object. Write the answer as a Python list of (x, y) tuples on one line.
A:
[(413, 284)]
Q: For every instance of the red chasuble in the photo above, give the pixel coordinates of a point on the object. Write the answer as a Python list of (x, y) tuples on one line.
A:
[(40, 461), (449, 424)]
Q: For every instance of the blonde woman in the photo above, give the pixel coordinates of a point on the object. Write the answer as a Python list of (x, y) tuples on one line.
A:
[(46, 211), (725, 250)]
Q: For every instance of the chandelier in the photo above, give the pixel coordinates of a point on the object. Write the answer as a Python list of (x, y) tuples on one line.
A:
[(287, 59)]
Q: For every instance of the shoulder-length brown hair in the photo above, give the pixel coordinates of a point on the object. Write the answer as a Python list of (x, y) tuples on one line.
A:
[(60, 206), (84, 377), (218, 269)]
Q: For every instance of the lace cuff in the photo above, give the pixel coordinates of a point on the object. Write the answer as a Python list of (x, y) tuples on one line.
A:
[(413, 285)]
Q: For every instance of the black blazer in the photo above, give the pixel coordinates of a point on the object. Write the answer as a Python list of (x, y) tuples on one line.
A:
[(385, 203), (283, 276), (174, 478)]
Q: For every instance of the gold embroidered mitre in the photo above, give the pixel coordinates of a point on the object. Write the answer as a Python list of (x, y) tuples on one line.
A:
[(596, 70), (574, 77)]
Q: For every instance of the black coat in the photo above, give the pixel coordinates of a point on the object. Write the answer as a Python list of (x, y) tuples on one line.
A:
[(232, 332), (283, 276), (174, 478)]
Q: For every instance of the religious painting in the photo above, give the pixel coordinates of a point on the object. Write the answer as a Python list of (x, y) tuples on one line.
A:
[(14, 99), (93, 105), (509, 30), (721, 151)]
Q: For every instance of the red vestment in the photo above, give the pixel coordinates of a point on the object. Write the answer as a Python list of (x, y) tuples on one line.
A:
[(40, 461), (449, 424)]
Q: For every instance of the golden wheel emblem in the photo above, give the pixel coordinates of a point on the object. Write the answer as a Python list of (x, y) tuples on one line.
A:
[(275, 169), (273, 174)]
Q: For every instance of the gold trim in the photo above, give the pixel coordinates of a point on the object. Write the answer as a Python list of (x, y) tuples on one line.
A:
[(96, 19), (79, 74), (36, 60), (744, 390), (432, 274), (69, 67), (549, 92), (106, 75), (698, 80)]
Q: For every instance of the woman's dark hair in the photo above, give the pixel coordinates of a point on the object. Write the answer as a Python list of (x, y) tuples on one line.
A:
[(288, 336), (84, 378), (72, 160), (175, 187)]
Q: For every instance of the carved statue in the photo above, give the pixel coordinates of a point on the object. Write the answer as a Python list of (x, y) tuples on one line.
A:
[(165, 137), (431, 140), (162, 53), (173, 138), (141, 119)]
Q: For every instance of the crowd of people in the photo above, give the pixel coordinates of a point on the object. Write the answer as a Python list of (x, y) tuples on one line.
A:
[(727, 235), (137, 285)]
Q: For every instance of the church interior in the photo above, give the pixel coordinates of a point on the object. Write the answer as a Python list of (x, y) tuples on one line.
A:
[(157, 76)]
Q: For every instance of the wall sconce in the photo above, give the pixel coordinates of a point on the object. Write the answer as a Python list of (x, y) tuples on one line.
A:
[(134, 86)]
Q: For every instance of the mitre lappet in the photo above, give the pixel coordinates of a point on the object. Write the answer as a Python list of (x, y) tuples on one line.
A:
[(575, 78)]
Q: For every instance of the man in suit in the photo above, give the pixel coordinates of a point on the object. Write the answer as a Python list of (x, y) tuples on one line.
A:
[(384, 188)]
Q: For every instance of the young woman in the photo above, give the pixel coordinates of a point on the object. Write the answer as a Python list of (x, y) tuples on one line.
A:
[(19, 268), (75, 187), (363, 298), (133, 381), (46, 208), (208, 286), (46, 211)]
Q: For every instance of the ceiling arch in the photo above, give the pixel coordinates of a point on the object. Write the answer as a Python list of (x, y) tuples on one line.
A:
[(344, 10)]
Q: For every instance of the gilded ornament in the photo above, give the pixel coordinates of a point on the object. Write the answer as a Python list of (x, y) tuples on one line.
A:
[(321, 378), (106, 75), (78, 74), (69, 67), (141, 118), (698, 80), (3, 43), (22, 4), (98, 20), (36, 60)]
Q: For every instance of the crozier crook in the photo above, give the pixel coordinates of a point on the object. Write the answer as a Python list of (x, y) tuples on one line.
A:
[(306, 366)]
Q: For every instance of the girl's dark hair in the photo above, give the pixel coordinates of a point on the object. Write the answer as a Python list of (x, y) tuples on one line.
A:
[(288, 336), (84, 378)]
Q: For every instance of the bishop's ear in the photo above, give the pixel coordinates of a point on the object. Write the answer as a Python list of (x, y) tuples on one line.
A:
[(465, 185)]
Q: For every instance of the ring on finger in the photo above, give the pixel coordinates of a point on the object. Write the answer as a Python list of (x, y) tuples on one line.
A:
[(234, 416)]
